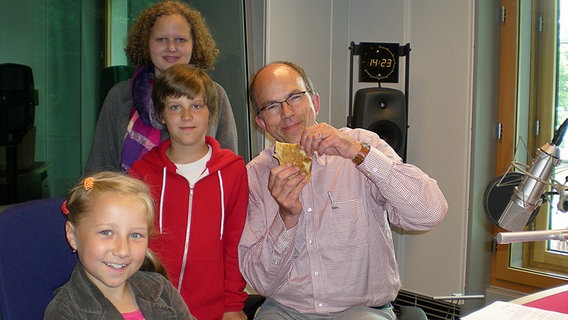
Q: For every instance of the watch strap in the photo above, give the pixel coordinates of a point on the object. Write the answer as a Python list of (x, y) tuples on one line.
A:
[(363, 152)]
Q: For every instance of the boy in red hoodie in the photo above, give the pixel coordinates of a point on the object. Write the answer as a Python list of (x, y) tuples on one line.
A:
[(201, 194)]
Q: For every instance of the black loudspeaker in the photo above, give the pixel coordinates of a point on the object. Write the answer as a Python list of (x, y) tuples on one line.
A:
[(383, 111), (17, 102)]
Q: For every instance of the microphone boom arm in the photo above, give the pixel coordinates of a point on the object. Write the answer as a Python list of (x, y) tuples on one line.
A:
[(526, 236)]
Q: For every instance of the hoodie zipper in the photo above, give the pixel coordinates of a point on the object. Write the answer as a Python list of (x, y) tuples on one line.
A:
[(186, 245), (189, 213)]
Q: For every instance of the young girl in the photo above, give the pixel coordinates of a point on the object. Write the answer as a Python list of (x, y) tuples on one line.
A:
[(109, 220), (202, 194)]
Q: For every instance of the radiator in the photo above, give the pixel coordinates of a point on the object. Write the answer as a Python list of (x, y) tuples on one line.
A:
[(434, 309)]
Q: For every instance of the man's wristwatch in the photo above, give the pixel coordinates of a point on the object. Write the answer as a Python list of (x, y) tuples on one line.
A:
[(360, 157)]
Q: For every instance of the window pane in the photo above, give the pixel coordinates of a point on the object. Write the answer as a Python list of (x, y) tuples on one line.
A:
[(558, 219)]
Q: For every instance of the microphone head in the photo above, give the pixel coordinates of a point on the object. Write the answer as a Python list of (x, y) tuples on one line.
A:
[(529, 194), (515, 216), (497, 200)]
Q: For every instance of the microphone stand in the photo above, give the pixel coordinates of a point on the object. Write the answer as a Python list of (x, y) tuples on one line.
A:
[(529, 236)]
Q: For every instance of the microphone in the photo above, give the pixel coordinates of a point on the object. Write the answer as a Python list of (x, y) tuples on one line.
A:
[(528, 195)]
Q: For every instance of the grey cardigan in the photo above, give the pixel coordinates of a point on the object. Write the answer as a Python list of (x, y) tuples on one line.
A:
[(114, 117), (79, 298)]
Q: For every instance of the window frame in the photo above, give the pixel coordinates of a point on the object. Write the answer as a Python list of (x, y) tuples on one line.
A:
[(503, 275)]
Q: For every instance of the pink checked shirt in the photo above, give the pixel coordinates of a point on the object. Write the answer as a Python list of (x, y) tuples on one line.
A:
[(341, 252)]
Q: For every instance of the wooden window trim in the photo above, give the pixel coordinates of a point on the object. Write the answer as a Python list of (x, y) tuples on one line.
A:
[(502, 275)]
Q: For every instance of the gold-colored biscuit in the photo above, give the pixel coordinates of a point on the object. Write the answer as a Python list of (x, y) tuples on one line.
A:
[(293, 153)]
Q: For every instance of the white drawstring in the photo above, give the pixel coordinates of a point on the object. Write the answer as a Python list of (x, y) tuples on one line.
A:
[(162, 196), (222, 203)]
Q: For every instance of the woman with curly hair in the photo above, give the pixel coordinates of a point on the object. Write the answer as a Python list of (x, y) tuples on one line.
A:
[(167, 33)]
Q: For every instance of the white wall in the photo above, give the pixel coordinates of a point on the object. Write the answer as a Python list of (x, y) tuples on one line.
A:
[(439, 139), (311, 33), (316, 34)]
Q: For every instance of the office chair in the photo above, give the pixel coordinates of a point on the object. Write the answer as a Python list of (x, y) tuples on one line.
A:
[(411, 313), (35, 257)]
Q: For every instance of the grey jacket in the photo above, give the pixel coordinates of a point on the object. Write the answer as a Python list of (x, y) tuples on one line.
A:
[(79, 298), (115, 115)]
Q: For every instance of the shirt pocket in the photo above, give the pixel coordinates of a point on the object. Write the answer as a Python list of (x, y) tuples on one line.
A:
[(347, 224)]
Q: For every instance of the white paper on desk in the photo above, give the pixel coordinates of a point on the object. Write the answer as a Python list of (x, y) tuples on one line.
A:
[(500, 310)]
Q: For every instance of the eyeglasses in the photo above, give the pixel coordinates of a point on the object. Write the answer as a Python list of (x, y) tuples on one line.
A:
[(276, 107)]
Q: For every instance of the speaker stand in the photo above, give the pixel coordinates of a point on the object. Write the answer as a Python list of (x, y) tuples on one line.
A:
[(11, 168)]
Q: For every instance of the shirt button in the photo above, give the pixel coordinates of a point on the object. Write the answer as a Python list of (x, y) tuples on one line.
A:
[(311, 242), (375, 169), (320, 304), (316, 273), (309, 209)]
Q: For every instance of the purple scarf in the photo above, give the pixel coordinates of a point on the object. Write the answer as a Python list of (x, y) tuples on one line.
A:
[(144, 131)]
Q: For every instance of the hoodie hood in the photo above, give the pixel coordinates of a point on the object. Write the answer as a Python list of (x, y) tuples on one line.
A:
[(220, 158)]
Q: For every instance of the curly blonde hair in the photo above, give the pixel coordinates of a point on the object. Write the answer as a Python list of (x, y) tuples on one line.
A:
[(204, 47)]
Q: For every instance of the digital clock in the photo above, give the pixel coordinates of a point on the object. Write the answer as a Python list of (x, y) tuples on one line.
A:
[(378, 62)]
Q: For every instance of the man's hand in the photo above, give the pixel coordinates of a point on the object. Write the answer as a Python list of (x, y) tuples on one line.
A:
[(325, 139), (285, 184)]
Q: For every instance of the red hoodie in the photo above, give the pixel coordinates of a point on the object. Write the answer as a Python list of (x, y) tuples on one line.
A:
[(200, 257)]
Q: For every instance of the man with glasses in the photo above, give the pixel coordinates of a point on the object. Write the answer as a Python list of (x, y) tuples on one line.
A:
[(323, 249)]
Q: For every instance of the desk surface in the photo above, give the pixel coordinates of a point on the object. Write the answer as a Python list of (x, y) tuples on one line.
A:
[(553, 299), (546, 304)]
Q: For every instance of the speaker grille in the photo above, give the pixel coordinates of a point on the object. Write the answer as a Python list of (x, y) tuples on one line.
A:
[(383, 111)]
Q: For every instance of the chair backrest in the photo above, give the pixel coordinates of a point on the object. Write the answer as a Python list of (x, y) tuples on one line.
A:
[(35, 257), (411, 313)]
